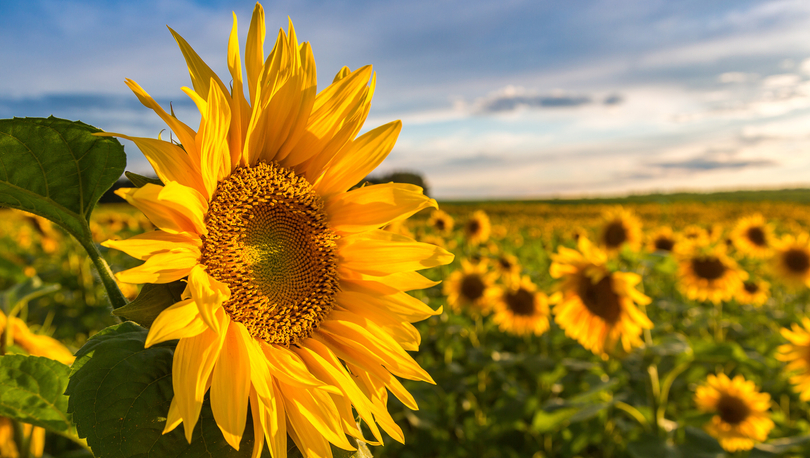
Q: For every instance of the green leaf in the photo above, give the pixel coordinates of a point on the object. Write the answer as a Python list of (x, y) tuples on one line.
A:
[(778, 446), (698, 444), (57, 169), (652, 446), (139, 180), (31, 391), (152, 300), (21, 293), (120, 394)]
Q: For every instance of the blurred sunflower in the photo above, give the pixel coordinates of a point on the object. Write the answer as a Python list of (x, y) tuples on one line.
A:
[(797, 355), (705, 272), (441, 222), (752, 236), (507, 266), (742, 411), (621, 228), (753, 292), (662, 240), (295, 301), (791, 260), (471, 288), (593, 305), (521, 309), (477, 228), (695, 234)]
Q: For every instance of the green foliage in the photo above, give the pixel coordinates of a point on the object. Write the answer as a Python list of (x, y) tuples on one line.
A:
[(152, 300), (32, 392), (57, 169), (139, 180), (120, 393)]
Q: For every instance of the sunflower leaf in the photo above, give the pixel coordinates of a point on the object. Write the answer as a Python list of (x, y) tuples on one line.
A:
[(119, 395), (57, 169), (31, 391), (152, 300), (139, 180)]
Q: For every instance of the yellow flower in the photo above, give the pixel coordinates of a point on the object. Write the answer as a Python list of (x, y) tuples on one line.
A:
[(477, 228), (621, 228), (35, 344), (594, 306), (295, 301), (521, 309), (742, 411), (8, 447), (754, 292), (441, 222), (791, 261), (706, 273), (753, 236), (663, 240), (471, 288), (797, 355), (508, 267)]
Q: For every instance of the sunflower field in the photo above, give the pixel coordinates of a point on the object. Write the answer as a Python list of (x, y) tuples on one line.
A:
[(566, 329)]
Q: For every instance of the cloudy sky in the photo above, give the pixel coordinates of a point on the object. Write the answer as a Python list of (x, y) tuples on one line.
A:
[(498, 99)]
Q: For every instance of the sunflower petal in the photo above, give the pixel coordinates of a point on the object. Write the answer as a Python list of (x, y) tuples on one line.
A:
[(372, 207), (178, 321), (163, 267), (382, 253), (230, 387), (142, 246)]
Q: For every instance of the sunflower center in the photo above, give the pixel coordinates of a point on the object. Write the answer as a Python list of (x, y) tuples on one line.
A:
[(732, 409), (473, 227), (268, 240), (756, 236), (709, 268), (664, 244), (520, 302), (505, 264), (615, 234), (797, 260), (751, 287), (600, 299), (472, 287), (439, 224)]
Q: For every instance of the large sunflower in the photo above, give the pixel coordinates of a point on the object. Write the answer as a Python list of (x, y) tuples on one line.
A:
[(797, 355), (295, 299), (621, 228), (521, 309), (742, 411), (595, 306), (753, 236), (705, 272), (791, 261), (471, 288)]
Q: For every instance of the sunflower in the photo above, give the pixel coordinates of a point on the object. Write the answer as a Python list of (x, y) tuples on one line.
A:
[(471, 288), (477, 228), (507, 266), (695, 234), (797, 355), (742, 417), (754, 292), (621, 228), (705, 272), (752, 236), (662, 240), (521, 309), (440, 222), (295, 301), (791, 261), (595, 306)]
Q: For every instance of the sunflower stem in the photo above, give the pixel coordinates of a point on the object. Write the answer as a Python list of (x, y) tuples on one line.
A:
[(718, 325), (117, 298)]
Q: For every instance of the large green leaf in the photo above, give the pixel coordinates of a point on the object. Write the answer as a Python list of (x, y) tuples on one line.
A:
[(120, 394), (57, 169), (152, 300), (31, 391)]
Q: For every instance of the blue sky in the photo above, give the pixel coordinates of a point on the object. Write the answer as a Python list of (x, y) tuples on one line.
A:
[(498, 99)]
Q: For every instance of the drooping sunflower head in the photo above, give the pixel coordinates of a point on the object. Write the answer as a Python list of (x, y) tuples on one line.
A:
[(662, 240), (520, 309), (741, 418), (705, 272), (621, 228), (595, 306), (791, 260), (797, 354), (294, 300), (753, 292), (440, 222), (477, 228), (753, 236), (471, 288)]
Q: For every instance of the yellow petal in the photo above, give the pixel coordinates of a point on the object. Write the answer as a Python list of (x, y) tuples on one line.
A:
[(357, 159), (372, 207), (162, 267), (402, 304), (240, 110), (201, 73), (254, 50), (312, 413), (258, 431), (230, 387), (176, 322), (382, 253), (388, 284), (142, 246), (215, 156), (288, 368), (173, 418), (208, 294), (174, 208)]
